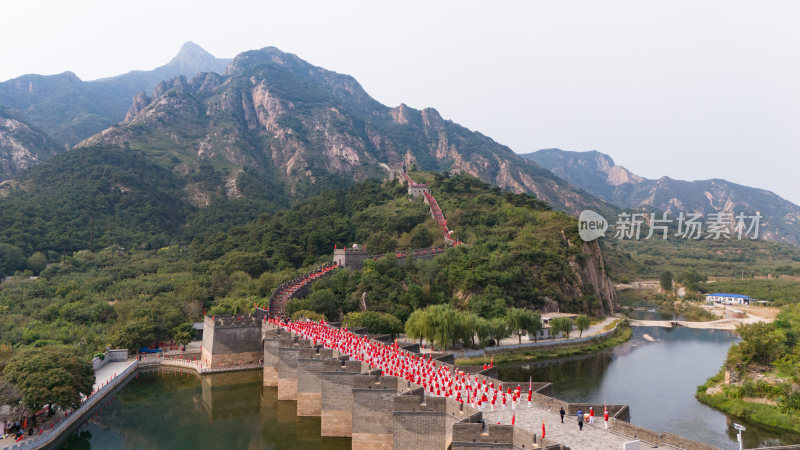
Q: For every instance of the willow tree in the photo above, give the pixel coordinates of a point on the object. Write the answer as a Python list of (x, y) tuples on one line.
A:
[(582, 323), (561, 324), (523, 321)]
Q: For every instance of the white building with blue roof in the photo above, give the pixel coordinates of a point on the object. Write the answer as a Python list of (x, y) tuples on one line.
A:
[(729, 299)]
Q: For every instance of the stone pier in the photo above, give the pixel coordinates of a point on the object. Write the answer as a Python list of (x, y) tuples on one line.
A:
[(288, 349), (373, 400), (270, 342), (310, 365), (337, 396)]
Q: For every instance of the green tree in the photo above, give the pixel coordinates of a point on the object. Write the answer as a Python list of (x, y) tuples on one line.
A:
[(561, 325), (9, 395), (381, 242), (469, 325), (665, 280), (11, 259), (536, 324), (308, 315), (49, 376), (183, 333), (375, 322), (421, 237), (500, 329), (521, 321), (325, 302), (37, 262), (691, 278), (445, 321), (416, 325), (582, 323), (483, 328), (135, 334)]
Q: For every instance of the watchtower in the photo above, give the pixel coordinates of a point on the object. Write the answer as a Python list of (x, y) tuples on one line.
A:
[(231, 340), (349, 257), (417, 190)]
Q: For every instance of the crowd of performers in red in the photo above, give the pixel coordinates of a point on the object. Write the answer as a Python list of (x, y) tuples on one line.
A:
[(436, 378)]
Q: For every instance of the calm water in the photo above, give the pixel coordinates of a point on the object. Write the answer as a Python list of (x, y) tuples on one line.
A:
[(163, 410), (176, 411), (658, 380)]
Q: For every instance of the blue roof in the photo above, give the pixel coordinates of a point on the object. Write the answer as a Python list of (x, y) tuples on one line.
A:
[(719, 294)]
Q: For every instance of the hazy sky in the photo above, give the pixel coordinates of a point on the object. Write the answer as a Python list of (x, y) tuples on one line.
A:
[(688, 89)]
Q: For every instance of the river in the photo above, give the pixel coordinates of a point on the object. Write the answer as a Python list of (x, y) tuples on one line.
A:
[(169, 410), (657, 380)]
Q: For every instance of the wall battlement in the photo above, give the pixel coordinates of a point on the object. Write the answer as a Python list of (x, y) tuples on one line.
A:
[(235, 321)]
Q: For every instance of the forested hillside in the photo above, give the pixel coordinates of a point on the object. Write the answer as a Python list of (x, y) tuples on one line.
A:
[(518, 253)]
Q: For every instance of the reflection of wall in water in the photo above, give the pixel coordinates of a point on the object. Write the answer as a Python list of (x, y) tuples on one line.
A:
[(233, 394), (291, 428)]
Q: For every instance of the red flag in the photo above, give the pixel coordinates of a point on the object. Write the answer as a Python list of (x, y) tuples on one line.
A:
[(513, 418), (543, 429)]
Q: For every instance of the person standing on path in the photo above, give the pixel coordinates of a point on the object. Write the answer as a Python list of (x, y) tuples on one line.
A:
[(562, 412), (580, 419), (591, 414)]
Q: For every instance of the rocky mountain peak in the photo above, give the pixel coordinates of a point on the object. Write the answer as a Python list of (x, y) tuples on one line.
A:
[(192, 59)]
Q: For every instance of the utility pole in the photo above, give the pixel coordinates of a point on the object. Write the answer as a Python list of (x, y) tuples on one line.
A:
[(739, 428)]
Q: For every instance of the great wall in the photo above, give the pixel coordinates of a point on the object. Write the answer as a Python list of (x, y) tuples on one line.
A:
[(370, 388), (358, 398)]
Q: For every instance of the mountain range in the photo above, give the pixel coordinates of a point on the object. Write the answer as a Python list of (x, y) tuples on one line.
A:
[(311, 128), (270, 126), (70, 109), (598, 174)]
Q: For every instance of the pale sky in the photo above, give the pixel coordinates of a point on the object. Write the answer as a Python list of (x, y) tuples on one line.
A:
[(688, 89)]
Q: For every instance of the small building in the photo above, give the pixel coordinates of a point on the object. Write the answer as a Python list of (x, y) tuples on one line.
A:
[(734, 314), (546, 317), (728, 299)]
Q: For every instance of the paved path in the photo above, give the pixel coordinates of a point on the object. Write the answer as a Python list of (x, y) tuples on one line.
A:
[(591, 331), (107, 372), (592, 436)]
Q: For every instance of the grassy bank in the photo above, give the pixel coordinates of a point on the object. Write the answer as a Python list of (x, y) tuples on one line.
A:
[(763, 414), (620, 336)]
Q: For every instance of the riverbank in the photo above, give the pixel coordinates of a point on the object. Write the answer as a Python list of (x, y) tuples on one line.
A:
[(621, 334), (107, 379), (760, 412)]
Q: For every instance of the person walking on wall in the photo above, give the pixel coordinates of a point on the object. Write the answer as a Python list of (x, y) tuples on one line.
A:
[(562, 412), (580, 419)]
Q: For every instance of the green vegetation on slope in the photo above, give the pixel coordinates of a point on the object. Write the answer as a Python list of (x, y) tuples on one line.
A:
[(518, 254), (120, 195), (631, 260), (764, 366)]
